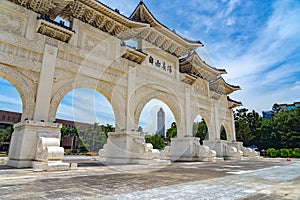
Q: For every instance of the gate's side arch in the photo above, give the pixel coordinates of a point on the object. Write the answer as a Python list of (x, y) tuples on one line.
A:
[(24, 86), (156, 92), (205, 115), (104, 88), (229, 131)]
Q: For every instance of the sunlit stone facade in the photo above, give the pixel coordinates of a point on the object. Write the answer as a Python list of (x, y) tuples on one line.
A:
[(45, 60)]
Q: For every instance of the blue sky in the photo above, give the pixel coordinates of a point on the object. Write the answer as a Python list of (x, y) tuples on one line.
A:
[(257, 42)]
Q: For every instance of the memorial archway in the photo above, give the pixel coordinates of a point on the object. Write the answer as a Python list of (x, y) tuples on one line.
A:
[(45, 60)]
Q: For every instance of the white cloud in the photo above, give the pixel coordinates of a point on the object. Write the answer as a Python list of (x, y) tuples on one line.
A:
[(230, 21), (296, 86), (86, 105)]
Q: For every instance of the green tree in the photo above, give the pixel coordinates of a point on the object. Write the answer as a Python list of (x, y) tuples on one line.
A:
[(247, 125), (283, 131), (200, 130), (276, 108), (287, 129), (5, 135), (172, 132), (64, 131), (243, 132), (108, 128), (266, 136), (94, 137), (156, 140)]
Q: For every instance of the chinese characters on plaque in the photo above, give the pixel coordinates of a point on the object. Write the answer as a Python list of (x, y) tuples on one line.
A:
[(162, 65)]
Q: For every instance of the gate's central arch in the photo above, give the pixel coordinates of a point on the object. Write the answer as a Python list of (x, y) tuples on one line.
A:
[(47, 59)]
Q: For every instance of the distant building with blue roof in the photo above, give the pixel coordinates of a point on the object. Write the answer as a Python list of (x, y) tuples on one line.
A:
[(282, 107)]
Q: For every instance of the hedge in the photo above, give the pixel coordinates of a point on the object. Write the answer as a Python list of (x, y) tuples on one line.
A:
[(283, 153)]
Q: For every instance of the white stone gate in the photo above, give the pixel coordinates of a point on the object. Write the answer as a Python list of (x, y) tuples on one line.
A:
[(45, 60)]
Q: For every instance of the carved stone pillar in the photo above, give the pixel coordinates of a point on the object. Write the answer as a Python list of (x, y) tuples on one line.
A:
[(189, 130), (131, 84), (45, 84), (232, 136), (214, 133)]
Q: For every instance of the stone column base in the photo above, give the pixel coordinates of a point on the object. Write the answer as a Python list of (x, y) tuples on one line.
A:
[(127, 148), (189, 149), (248, 154), (224, 149), (19, 163), (24, 143)]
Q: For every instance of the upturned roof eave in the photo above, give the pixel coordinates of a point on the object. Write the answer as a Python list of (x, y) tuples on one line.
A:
[(234, 103), (191, 57), (133, 23), (187, 43), (232, 88)]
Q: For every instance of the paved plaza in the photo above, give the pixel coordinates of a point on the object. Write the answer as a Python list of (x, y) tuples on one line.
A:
[(264, 179)]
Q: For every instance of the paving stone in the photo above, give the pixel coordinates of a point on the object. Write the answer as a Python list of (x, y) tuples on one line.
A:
[(186, 180)]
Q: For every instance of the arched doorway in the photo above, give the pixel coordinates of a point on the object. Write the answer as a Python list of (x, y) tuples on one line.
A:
[(87, 117), (157, 119), (223, 133), (200, 129), (10, 112)]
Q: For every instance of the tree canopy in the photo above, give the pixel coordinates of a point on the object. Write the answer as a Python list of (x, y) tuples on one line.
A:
[(5, 134), (156, 140), (282, 131)]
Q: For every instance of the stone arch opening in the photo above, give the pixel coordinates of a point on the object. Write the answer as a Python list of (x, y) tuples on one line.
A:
[(200, 128), (157, 118), (223, 133), (87, 117), (105, 89), (10, 112), (24, 88), (10, 98), (153, 91)]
